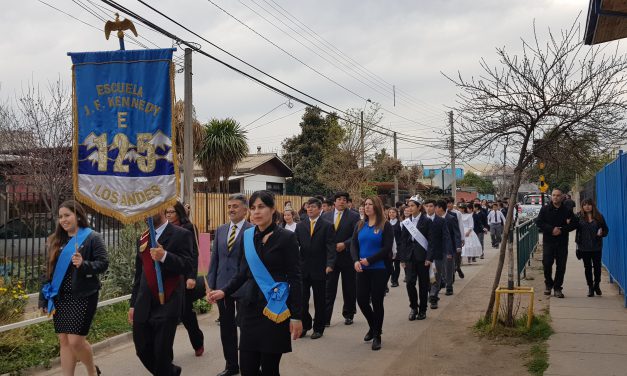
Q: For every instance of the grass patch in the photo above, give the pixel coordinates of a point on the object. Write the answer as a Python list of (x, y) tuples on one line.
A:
[(537, 357), (36, 345)]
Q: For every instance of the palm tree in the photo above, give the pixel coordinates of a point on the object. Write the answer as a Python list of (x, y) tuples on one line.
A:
[(224, 145)]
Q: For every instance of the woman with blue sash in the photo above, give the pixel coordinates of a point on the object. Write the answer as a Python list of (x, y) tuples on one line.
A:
[(76, 256), (371, 253), (270, 291)]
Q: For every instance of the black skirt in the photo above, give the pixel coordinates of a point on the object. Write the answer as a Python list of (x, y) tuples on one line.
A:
[(260, 334), (73, 315)]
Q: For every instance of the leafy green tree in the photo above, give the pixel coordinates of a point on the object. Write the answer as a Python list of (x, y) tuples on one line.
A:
[(224, 145), (482, 184), (384, 166), (305, 153)]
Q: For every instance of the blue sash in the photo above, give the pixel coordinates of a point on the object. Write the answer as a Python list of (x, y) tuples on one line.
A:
[(51, 289), (276, 293)]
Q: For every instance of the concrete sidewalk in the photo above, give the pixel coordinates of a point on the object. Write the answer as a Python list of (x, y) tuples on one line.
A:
[(590, 333)]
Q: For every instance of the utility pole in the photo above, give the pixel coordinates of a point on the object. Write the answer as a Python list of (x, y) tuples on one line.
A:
[(394, 94), (188, 139), (361, 137), (396, 174), (453, 170)]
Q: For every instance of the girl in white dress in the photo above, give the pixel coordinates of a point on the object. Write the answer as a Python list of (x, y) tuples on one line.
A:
[(472, 245)]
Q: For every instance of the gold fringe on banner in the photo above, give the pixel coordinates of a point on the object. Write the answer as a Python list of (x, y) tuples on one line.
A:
[(108, 211)]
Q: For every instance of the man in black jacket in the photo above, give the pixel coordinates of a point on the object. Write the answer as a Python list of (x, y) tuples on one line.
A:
[(480, 220), (344, 221), (317, 254), (555, 221), (456, 243), (154, 324), (439, 249)]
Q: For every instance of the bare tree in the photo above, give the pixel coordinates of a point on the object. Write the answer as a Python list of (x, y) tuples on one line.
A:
[(352, 128), (38, 131), (551, 90)]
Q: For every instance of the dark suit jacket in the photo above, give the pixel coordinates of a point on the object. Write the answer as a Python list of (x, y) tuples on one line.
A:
[(85, 280), (440, 244), (318, 251), (453, 228), (193, 272), (397, 237), (178, 243), (412, 250), (224, 264), (344, 233), (480, 221)]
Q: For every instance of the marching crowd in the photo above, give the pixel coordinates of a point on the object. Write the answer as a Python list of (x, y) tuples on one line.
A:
[(267, 264)]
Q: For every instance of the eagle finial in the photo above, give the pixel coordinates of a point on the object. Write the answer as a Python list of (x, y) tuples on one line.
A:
[(119, 26)]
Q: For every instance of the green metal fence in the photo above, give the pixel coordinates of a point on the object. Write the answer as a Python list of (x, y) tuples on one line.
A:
[(526, 244)]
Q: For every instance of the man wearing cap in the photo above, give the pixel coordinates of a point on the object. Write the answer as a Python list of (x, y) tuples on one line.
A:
[(344, 221), (414, 236)]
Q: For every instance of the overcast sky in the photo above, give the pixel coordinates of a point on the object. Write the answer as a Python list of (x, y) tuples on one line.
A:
[(405, 43)]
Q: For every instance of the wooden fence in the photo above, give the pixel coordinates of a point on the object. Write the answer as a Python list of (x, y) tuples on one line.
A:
[(209, 209)]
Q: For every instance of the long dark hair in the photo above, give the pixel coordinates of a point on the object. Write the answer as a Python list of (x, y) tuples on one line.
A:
[(181, 213), (378, 212), (596, 214), (60, 237)]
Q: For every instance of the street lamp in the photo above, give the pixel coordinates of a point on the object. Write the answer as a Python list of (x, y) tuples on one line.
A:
[(361, 134)]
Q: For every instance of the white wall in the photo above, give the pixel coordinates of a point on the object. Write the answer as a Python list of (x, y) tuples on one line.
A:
[(258, 182)]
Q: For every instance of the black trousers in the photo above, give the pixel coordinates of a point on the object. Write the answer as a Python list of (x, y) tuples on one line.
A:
[(458, 262), (371, 284), (592, 260), (255, 363), (318, 287), (347, 271), (416, 271), (228, 332), (190, 321), (396, 271), (153, 345), (554, 253)]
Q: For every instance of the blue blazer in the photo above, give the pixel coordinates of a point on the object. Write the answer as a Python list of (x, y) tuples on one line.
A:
[(224, 264)]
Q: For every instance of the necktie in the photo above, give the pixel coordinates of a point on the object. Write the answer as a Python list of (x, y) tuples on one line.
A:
[(231, 241), (337, 220), (313, 224)]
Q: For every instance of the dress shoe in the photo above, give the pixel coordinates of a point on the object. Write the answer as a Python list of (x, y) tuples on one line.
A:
[(597, 290), (449, 292), (387, 289), (177, 370), (369, 336), (422, 315), (199, 351), (434, 304), (394, 284), (303, 334), (348, 321), (590, 292), (412, 315), (327, 324), (98, 371), (558, 294), (376, 343), (460, 273), (547, 291), (316, 335), (229, 372)]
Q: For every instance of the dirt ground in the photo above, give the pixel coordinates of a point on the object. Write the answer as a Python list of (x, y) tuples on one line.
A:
[(449, 345)]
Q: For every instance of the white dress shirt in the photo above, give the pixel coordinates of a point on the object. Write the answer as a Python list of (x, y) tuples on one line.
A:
[(496, 217)]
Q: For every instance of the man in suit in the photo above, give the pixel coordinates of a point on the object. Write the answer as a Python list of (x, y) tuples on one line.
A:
[(439, 249), (344, 221), (450, 209), (316, 238), (414, 259), (154, 324), (225, 259), (455, 231), (480, 220)]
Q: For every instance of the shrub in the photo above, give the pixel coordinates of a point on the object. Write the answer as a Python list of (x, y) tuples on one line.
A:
[(118, 280), (13, 300)]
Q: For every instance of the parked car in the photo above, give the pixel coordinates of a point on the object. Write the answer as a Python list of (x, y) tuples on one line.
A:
[(530, 206), (24, 236)]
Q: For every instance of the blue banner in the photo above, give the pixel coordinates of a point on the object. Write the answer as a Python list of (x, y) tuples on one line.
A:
[(124, 157)]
